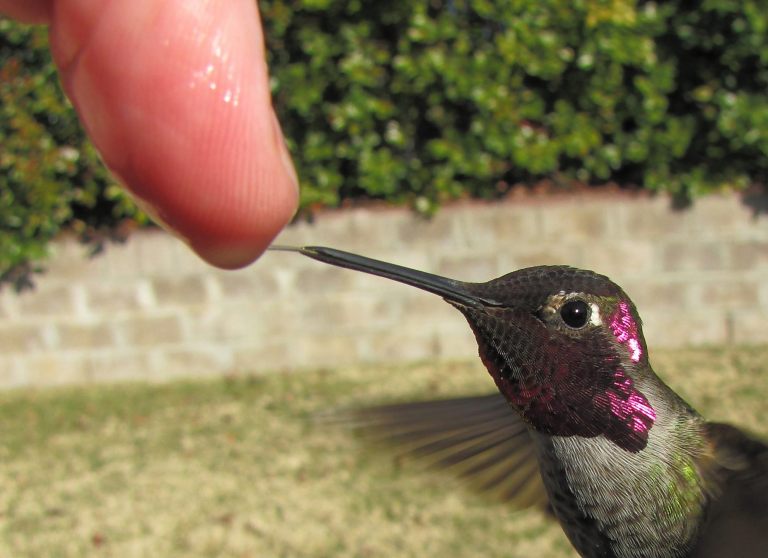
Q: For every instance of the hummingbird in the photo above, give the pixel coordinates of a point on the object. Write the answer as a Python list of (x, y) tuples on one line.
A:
[(581, 421)]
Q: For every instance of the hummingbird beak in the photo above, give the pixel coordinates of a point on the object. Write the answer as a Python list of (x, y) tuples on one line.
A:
[(450, 289)]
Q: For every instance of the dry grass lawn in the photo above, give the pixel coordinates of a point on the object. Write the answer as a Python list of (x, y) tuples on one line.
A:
[(238, 467)]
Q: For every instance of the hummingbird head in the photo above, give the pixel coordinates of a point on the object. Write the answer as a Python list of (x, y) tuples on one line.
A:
[(564, 345)]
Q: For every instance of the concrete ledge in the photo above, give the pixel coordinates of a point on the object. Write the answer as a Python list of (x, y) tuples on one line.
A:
[(151, 310)]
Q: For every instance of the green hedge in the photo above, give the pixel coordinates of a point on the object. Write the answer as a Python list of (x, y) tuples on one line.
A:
[(50, 175), (424, 101)]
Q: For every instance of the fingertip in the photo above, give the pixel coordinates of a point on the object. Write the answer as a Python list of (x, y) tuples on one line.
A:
[(230, 255), (176, 97), (247, 238)]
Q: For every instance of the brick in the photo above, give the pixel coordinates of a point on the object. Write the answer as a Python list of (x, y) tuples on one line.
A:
[(247, 283), (750, 326), (324, 278), (118, 261), (298, 233), (320, 351), (180, 291), (469, 268), (427, 312), (527, 254), (149, 330), (651, 293), (472, 230), (117, 366), (379, 312), (575, 219), (235, 321), (13, 374), (348, 313), (109, 297), (692, 256), (57, 369), (729, 294), (748, 255), (437, 232), (8, 309), (719, 216), (459, 345), (369, 231), (158, 254), (72, 335), (622, 257), (150, 309), (46, 300), (395, 347), (356, 230), (189, 362), (68, 260), (663, 328), (266, 356), (509, 223), (654, 218), (16, 338)]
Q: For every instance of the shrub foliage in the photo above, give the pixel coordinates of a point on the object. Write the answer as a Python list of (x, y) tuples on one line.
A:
[(420, 102), (50, 175)]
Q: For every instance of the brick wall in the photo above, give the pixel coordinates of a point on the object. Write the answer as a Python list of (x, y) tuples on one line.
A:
[(151, 310)]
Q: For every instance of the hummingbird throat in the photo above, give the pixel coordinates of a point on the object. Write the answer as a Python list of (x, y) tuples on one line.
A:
[(562, 390), (627, 404)]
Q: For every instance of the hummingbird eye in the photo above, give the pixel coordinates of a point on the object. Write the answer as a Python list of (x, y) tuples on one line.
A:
[(575, 313)]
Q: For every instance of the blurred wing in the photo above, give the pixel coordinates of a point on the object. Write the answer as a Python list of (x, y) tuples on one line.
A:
[(737, 523), (480, 439)]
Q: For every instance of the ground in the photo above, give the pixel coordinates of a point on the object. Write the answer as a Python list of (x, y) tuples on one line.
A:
[(246, 467)]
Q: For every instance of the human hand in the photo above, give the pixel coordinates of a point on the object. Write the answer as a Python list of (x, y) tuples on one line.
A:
[(175, 96)]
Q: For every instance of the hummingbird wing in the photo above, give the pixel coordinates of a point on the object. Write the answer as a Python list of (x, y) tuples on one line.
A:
[(477, 438), (737, 523)]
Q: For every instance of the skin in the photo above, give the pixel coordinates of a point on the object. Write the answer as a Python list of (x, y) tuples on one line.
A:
[(175, 95)]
